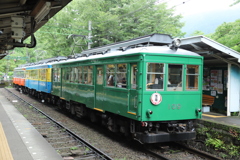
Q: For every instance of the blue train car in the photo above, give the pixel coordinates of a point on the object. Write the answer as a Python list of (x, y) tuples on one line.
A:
[(38, 78)]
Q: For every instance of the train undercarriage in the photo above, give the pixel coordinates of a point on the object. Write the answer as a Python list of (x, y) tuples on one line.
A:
[(144, 132)]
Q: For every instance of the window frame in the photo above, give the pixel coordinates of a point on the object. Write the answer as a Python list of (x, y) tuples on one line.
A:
[(190, 74), (178, 86), (112, 75), (156, 79)]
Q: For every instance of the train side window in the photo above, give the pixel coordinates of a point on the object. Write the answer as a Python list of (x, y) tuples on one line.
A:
[(34, 74), (175, 77), (85, 68), (42, 74), (80, 74), (55, 75), (155, 76), (192, 77), (59, 74), (67, 74), (121, 75), (110, 75), (75, 74), (27, 74), (89, 75), (99, 75), (71, 75), (134, 76), (30, 74)]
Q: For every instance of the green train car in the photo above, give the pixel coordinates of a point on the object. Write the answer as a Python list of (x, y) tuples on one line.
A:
[(146, 87)]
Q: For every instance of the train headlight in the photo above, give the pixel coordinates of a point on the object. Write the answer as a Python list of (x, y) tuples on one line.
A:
[(198, 112), (149, 113), (175, 44)]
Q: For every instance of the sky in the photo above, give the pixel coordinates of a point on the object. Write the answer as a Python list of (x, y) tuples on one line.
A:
[(204, 15), (186, 7)]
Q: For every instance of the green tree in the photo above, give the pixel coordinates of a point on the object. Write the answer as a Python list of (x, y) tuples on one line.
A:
[(112, 21), (14, 60), (236, 2), (228, 34), (197, 33)]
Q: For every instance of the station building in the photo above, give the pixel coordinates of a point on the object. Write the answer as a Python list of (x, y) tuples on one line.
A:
[(221, 75)]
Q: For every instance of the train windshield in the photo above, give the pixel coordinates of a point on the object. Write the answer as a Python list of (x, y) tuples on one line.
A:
[(155, 76), (175, 77), (192, 77)]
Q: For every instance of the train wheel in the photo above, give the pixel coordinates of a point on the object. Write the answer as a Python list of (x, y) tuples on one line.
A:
[(72, 109), (93, 117)]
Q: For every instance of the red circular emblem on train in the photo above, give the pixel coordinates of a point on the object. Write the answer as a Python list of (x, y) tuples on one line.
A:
[(156, 98)]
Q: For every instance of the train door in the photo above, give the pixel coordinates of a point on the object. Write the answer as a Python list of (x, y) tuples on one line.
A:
[(99, 87), (133, 97)]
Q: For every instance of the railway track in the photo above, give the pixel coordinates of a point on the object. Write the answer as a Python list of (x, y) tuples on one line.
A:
[(198, 152), (173, 150), (65, 141), (66, 144)]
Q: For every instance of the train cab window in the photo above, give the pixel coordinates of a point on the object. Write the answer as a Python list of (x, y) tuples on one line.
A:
[(175, 77), (192, 77), (80, 75), (134, 76), (121, 75), (155, 76), (110, 75)]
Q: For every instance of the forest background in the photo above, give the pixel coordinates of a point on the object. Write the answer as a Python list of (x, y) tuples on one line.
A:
[(106, 22)]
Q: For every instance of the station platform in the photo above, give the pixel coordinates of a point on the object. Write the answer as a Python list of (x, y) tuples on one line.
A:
[(222, 119), (19, 140)]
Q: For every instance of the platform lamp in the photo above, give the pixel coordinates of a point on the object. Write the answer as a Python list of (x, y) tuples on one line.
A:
[(41, 10)]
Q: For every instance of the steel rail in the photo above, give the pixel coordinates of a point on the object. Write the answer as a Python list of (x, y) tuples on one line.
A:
[(198, 152), (98, 152), (158, 156)]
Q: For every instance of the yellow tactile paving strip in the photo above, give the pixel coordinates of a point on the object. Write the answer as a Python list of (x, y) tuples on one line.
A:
[(5, 152), (213, 116)]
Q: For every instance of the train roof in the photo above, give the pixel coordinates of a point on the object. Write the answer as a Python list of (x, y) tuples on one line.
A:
[(144, 50), (149, 44)]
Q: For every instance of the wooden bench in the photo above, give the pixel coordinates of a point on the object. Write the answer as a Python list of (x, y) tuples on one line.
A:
[(207, 100)]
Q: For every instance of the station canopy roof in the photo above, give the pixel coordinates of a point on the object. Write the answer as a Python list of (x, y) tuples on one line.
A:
[(214, 53), (19, 19)]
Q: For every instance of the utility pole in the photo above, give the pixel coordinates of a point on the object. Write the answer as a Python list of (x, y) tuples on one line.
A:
[(89, 34), (86, 38)]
